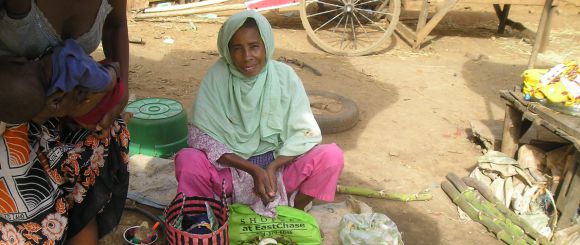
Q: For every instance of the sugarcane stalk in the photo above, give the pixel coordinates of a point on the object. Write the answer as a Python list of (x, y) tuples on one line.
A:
[(457, 182), (359, 191), (489, 209), (471, 196), (475, 215), (516, 219)]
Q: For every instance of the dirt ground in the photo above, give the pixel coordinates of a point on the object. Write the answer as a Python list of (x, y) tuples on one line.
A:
[(415, 107)]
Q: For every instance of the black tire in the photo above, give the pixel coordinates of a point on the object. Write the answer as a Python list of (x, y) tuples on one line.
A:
[(338, 122)]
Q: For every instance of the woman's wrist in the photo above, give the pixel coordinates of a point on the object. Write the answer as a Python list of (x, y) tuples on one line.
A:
[(237, 162), (254, 170)]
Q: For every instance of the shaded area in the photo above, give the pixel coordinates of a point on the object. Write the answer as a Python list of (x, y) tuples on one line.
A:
[(487, 78), (467, 23)]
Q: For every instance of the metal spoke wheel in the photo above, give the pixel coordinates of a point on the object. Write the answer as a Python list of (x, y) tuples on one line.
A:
[(349, 27)]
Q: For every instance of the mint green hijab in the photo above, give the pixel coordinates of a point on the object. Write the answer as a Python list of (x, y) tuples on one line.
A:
[(252, 116)]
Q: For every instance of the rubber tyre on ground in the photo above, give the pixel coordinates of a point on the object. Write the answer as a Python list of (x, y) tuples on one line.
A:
[(344, 120)]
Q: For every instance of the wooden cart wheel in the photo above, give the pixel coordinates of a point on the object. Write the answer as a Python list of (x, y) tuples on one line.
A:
[(349, 27)]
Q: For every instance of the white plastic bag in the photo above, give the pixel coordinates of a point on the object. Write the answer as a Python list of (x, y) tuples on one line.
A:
[(369, 228), (329, 215)]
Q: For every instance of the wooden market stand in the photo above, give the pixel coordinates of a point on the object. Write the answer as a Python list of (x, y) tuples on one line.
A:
[(502, 7), (519, 116)]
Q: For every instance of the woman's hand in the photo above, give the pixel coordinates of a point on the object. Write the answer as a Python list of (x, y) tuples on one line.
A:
[(263, 185), (103, 134), (271, 170), (265, 180)]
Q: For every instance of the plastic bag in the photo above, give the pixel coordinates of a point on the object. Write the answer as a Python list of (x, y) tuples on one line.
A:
[(329, 216), (373, 228), (532, 82), (560, 84), (292, 226)]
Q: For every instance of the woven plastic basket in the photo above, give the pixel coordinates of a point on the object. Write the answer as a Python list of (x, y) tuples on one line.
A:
[(192, 206)]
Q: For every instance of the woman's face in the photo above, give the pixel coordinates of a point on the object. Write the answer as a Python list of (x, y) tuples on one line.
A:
[(247, 51)]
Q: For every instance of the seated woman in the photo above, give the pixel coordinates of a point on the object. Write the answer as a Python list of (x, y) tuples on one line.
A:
[(253, 128)]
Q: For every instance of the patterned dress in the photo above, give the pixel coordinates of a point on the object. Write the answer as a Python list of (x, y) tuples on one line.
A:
[(54, 179)]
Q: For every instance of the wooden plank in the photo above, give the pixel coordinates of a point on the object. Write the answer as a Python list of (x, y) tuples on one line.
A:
[(537, 120), (569, 124), (511, 131), (183, 6), (569, 200), (406, 33), (562, 125), (539, 33), (546, 33), (218, 20), (207, 9), (421, 35), (512, 2), (423, 15), (567, 174)]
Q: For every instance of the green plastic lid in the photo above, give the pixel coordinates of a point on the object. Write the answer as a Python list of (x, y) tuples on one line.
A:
[(158, 127), (155, 108)]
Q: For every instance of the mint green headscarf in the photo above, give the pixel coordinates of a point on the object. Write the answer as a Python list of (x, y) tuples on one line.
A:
[(267, 112)]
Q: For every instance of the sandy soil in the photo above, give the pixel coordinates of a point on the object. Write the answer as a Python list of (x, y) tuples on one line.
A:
[(415, 106)]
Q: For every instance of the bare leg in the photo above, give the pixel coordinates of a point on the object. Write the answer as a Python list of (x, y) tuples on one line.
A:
[(89, 235), (301, 200)]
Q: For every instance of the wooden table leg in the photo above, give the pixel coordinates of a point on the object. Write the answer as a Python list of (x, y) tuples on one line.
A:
[(511, 131), (502, 15)]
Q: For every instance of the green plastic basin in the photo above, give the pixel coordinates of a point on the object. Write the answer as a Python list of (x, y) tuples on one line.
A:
[(158, 127)]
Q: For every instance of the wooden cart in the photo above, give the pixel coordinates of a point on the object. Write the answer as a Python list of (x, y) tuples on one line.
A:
[(341, 27), (358, 27)]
